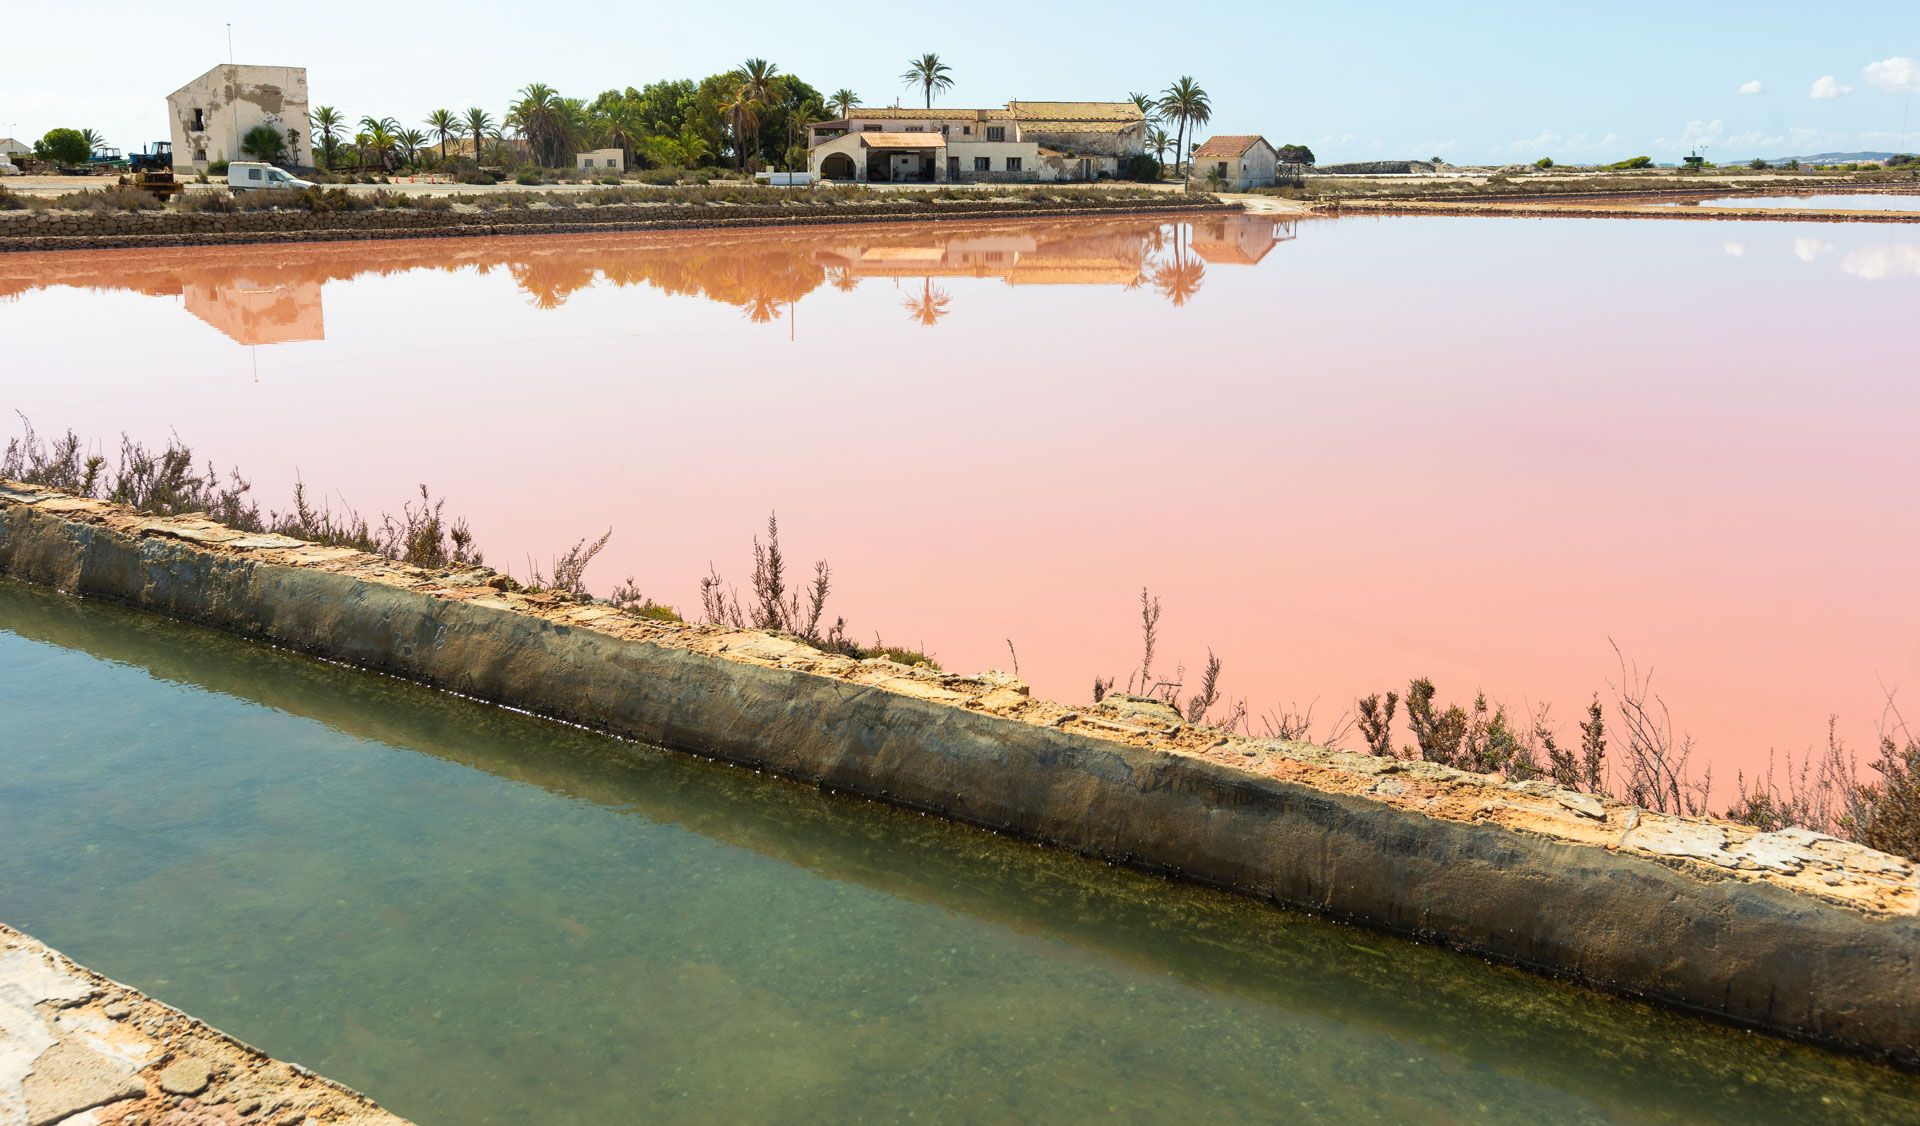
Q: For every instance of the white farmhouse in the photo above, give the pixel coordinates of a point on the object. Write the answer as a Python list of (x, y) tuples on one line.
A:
[(1025, 142), (208, 116)]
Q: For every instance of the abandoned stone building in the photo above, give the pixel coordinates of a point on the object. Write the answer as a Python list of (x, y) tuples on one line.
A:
[(208, 117)]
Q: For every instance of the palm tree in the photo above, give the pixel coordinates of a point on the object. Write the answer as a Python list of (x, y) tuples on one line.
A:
[(95, 141), (444, 123), (742, 113), (843, 102), (930, 74), (378, 135), (1186, 103), (1157, 140), (264, 142), (327, 124), (410, 142), (756, 85), (625, 126), (930, 306), (480, 126), (536, 117), (1147, 109)]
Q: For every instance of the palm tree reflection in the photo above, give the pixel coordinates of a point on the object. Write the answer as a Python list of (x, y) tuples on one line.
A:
[(930, 306)]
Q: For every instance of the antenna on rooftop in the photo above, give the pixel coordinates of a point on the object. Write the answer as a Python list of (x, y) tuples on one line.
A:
[(229, 44)]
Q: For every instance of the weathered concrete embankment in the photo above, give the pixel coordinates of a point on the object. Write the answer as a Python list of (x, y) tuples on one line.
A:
[(1791, 932), (74, 1043), (114, 230)]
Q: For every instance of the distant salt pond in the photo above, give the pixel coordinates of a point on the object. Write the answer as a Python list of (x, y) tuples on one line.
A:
[(477, 917), (1858, 202)]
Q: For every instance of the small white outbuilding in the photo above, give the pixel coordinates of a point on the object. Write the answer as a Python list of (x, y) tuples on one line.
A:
[(613, 160)]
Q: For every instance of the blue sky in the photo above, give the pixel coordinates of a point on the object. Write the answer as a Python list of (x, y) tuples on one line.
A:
[(1490, 81)]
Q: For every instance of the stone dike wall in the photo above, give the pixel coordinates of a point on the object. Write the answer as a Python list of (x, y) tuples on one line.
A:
[(109, 230), (1637, 206), (1792, 932), (76, 1047)]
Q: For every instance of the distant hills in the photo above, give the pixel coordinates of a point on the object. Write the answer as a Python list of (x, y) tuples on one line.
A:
[(1822, 158)]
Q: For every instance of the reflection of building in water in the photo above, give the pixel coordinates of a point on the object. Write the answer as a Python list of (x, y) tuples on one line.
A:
[(1015, 257), (1239, 240), (262, 295), (259, 312)]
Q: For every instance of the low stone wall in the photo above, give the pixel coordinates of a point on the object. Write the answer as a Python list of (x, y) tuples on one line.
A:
[(109, 230), (1792, 931), (76, 1047)]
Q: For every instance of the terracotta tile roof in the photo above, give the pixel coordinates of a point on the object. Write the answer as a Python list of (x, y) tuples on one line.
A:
[(1230, 144), (1076, 111)]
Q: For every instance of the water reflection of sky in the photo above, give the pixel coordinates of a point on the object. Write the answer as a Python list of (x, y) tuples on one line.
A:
[(1344, 454), (1875, 262)]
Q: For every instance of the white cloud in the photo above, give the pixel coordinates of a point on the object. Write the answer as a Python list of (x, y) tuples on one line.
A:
[(1874, 263), (1548, 142), (1734, 249), (1827, 86), (1754, 87), (1897, 75), (1807, 249)]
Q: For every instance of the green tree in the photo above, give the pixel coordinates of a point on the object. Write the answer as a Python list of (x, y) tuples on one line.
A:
[(66, 146), (1188, 105), (264, 142), (930, 74), (409, 142), (757, 84), (539, 118), (1147, 108), (480, 126), (444, 123), (1158, 141), (327, 124), (742, 114), (1301, 154), (843, 102), (378, 136), (95, 141)]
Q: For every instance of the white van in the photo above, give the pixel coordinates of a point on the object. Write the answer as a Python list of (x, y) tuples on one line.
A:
[(246, 175)]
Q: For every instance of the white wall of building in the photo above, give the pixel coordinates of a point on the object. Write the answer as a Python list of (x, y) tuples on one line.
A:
[(207, 117)]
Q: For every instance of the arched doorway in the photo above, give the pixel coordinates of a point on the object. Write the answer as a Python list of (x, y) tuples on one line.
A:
[(837, 166)]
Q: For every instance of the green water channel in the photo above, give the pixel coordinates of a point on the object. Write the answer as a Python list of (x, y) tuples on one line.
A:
[(476, 916)]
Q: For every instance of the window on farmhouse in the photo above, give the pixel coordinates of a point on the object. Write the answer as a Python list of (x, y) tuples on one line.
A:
[(199, 120), (869, 128), (996, 132), (983, 164), (1013, 164), (916, 129), (966, 130)]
